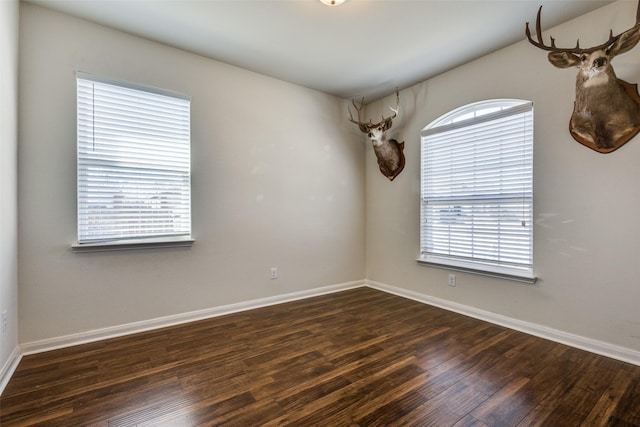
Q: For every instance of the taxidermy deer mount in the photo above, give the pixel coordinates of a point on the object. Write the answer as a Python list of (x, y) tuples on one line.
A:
[(606, 111), (389, 152)]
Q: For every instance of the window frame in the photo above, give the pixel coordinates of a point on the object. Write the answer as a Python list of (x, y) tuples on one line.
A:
[(466, 117), (181, 237)]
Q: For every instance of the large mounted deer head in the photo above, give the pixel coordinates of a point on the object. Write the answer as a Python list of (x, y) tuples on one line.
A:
[(606, 112), (389, 152)]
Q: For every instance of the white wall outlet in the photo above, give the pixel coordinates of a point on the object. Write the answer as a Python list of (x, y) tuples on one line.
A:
[(274, 273), (4, 321), (452, 280)]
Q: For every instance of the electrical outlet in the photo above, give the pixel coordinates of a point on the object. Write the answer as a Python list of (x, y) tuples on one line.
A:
[(274, 273), (4, 321), (452, 280)]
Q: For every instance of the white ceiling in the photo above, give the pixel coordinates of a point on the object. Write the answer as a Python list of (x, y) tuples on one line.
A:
[(361, 48)]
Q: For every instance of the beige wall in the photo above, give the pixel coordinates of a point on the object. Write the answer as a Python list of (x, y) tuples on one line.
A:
[(278, 180), (586, 233), (8, 180)]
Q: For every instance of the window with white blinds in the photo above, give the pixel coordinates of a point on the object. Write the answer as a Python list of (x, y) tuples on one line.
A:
[(477, 189), (134, 178)]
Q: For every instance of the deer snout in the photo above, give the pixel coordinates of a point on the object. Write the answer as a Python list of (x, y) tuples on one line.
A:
[(600, 62)]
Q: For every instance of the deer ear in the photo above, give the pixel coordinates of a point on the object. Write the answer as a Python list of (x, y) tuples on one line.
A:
[(626, 42), (363, 128), (563, 59), (387, 124)]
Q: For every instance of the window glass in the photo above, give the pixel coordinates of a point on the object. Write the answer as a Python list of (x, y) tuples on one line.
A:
[(477, 189), (133, 162)]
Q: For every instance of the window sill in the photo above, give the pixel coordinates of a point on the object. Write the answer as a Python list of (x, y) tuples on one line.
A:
[(133, 244), (529, 280)]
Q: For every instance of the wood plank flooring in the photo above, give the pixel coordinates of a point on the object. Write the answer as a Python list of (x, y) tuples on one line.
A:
[(354, 358)]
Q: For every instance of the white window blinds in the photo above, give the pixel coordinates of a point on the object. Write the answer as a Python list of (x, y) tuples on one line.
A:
[(133, 162), (477, 188)]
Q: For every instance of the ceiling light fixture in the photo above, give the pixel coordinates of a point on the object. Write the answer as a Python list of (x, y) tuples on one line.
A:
[(333, 2)]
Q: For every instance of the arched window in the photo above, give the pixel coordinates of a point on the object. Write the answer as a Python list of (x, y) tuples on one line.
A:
[(477, 189)]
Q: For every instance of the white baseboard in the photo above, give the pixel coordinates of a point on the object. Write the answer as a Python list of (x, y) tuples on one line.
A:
[(594, 346), (9, 368), (598, 347), (162, 322)]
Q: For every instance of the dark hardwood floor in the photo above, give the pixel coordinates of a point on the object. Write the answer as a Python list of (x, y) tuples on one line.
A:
[(354, 358)]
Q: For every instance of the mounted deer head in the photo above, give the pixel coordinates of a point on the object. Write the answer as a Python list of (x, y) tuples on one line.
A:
[(389, 152), (606, 112)]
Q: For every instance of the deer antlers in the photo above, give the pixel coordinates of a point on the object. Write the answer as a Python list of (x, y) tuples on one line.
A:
[(552, 48), (370, 124)]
